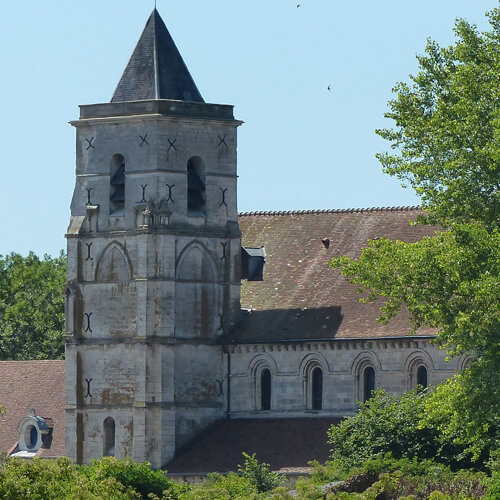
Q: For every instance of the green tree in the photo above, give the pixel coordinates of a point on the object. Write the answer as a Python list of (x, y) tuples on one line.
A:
[(32, 307), (446, 145)]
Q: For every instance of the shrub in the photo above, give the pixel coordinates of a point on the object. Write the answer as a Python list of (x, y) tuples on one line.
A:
[(56, 480), (260, 474), (391, 424), (219, 487), (138, 476)]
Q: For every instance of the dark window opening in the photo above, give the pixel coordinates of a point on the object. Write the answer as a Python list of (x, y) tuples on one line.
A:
[(252, 263), (422, 376), (368, 383), (317, 389), (31, 437), (196, 187), (117, 185), (265, 390), (109, 437)]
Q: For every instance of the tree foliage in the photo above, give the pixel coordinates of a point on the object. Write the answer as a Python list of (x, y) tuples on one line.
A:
[(137, 477), (59, 479), (259, 474), (392, 424), (446, 145), (32, 307)]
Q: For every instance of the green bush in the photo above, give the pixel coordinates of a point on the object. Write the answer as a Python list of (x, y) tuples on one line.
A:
[(56, 480), (220, 487), (392, 424), (137, 476), (387, 478), (252, 479), (260, 474)]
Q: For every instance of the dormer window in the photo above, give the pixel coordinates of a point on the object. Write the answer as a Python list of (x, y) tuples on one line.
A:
[(196, 186), (117, 185), (252, 263), (34, 433)]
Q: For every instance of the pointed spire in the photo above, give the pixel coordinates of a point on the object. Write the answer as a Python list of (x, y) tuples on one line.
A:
[(156, 69)]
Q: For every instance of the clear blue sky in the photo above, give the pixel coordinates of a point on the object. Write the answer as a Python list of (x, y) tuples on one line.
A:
[(301, 146)]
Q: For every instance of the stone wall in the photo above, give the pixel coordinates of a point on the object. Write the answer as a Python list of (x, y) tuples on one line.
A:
[(342, 362)]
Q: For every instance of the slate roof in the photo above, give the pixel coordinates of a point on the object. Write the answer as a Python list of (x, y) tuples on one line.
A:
[(156, 69), (300, 297), (38, 385), (287, 444)]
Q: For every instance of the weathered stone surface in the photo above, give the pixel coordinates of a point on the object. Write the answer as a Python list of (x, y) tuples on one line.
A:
[(151, 289)]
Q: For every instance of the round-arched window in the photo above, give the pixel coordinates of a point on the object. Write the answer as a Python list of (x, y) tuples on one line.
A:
[(422, 376), (317, 389), (265, 389), (109, 436), (368, 383)]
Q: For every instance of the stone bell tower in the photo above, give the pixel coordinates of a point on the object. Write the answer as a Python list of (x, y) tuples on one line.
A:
[(153, 261)]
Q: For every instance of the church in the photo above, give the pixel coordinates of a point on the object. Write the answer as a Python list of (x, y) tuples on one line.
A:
[(194, 332)]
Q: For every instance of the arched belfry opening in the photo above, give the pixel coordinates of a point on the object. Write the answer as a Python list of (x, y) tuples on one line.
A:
[(117, 185), (109, 437), (196, 186)]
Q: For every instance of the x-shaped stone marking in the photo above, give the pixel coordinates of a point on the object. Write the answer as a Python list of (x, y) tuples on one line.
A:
[(171, 145), (144, 139), (89, 144), (222, 140)]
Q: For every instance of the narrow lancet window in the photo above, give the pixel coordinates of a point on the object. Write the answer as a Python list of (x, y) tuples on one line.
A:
[(117, 185), (265, 390), (368, 383), (317, 389), (109, 437), (196, 186)]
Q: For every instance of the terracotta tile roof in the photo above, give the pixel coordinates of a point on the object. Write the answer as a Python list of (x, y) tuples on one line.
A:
[(300, 296), (286, 444), (38, 385)]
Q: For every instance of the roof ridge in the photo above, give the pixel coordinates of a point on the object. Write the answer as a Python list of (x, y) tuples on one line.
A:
[(407, 208)]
